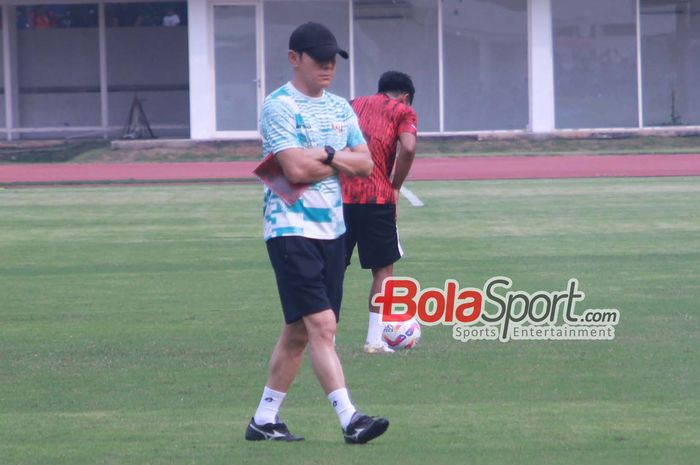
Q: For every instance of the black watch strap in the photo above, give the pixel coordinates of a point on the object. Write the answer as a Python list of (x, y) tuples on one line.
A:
[(330, 153)]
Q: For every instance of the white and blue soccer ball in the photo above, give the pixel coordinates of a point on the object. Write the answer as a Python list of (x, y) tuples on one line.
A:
[(402, 335)]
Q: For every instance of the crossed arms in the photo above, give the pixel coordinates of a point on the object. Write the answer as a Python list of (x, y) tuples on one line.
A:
[(303, 166)]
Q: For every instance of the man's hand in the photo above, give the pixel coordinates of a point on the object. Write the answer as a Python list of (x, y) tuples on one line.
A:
[(303, 166), (397, 195), (356, 161), (404, 160)]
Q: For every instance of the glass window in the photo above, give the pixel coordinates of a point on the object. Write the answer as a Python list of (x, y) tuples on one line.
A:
[(57, 16), (58, 66), (152, 63), (282, 17), (146, 14), (399, 35), (485, 64), (595, 63), (671, 62), (2, 75), (235, 60)]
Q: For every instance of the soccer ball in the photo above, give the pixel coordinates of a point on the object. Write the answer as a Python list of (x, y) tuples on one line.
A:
[(402, 335)]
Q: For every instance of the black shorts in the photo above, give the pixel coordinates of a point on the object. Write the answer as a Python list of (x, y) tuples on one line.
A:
[(309, 274), (373, 228)]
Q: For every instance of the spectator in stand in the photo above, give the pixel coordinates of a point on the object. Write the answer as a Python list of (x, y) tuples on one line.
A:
[(171, 19), (66, 19), (41, 19), (22, 18)]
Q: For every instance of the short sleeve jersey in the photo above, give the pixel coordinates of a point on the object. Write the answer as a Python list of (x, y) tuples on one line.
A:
[(382, 119), (290, 119)]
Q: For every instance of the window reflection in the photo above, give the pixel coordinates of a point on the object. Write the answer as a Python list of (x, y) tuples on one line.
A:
[(485, 63), (401, 35), (671, 62), (595, 63)]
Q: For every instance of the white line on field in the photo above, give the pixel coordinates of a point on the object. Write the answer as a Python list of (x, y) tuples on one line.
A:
[(411, 197)]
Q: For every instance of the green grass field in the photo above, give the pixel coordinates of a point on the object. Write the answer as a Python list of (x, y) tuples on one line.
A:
[(136, 324)]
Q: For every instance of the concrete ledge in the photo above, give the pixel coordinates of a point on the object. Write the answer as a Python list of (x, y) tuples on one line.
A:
[(602, 134), (688, 131), (144, 144)]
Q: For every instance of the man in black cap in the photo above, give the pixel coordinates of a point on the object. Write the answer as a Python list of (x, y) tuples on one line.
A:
[(313, 135)]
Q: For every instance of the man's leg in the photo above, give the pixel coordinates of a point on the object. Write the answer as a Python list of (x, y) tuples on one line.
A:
[(289, 350), (375, 327), (378, 277), (320, 328), (379, 248), (282, 369), (287, 356), (358, 428)]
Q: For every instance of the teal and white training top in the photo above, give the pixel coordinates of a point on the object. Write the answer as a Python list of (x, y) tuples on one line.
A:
[(291, 119)]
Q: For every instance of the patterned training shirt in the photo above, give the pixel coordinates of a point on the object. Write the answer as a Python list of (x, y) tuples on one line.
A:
[(291, 119), (382, 119)]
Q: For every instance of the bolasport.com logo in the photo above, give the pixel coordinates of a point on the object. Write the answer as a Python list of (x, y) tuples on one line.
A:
[(496, 312)]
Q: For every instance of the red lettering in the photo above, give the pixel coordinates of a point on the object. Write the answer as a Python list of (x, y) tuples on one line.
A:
[(437, 296), (401, 299), (387, 299), (450, 294), (474, 303)]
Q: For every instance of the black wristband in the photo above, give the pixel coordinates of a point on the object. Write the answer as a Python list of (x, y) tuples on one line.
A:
[(330, 153)]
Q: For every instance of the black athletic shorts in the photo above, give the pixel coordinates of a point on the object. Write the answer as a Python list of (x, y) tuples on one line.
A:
[(309, 274), (373, 228)]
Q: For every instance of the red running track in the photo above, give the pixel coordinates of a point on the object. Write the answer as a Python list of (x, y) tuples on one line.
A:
[(464, 168)]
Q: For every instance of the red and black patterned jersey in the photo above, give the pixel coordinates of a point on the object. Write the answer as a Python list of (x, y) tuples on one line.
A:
[(382, 119)]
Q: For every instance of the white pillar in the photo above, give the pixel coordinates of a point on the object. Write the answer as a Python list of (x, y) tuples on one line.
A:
[(9, 36), (640, 94), (441, 69), (541, 66), (351, 47), (104, 90), (202, 124)]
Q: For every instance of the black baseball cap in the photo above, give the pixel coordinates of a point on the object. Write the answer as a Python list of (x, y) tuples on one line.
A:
[(317, 41)]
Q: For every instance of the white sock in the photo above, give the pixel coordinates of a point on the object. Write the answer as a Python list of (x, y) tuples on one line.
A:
[(340, 400), (269, 406), (375, 328)]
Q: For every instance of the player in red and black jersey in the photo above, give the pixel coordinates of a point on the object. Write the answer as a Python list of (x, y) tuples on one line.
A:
[(369, 204)]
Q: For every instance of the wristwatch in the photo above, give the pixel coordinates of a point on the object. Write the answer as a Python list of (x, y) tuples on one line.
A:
[(330, 153)]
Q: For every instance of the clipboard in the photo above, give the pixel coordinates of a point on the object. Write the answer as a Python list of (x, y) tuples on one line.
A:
[(270, 173)]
